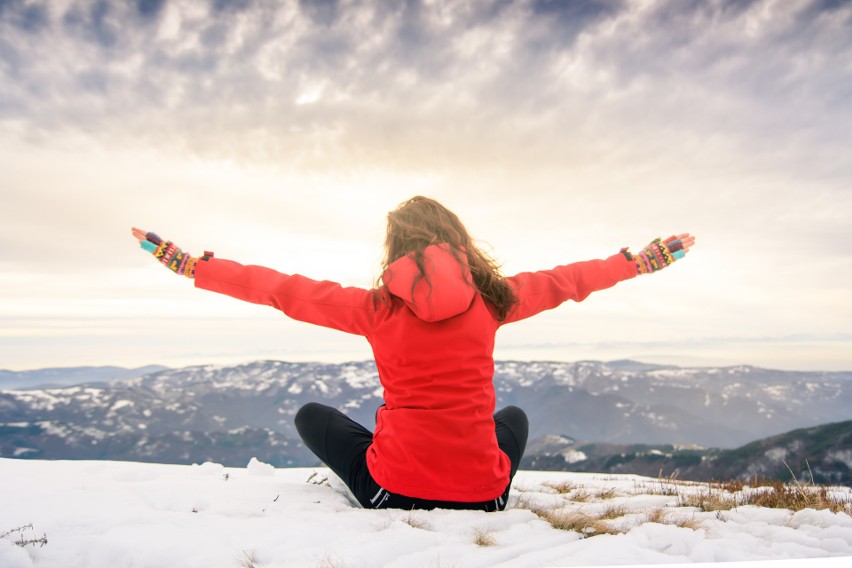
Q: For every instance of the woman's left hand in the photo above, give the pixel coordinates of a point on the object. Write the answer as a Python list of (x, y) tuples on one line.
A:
[(661, 253)]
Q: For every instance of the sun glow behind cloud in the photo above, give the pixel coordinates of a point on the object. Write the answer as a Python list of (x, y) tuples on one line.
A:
[(281, 133)]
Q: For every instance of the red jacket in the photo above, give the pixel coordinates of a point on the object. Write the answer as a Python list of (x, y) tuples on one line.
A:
[(433, 346)]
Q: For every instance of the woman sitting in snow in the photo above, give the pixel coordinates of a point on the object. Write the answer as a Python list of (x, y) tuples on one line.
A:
[(431, 322)]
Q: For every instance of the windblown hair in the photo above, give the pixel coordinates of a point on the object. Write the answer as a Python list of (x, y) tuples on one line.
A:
[(420, 222)]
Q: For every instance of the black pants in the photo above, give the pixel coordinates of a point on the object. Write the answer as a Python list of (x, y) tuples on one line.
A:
[(341, 444)]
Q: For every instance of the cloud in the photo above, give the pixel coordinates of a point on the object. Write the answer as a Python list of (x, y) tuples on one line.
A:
[(603, 93), (330, 82), (557, 130)]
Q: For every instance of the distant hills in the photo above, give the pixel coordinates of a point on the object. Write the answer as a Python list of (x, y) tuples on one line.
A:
[(229, 414), (68, 376), (820, 454)]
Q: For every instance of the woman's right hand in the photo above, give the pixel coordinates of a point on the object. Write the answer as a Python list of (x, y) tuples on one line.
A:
[(166, 252)]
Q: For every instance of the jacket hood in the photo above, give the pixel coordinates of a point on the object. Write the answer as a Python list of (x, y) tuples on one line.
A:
[(446, 291)]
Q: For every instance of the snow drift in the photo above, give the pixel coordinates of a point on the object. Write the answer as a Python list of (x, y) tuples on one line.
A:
[(100, 514)]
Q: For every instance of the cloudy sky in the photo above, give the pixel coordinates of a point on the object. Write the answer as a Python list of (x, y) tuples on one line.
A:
[(281, 133)]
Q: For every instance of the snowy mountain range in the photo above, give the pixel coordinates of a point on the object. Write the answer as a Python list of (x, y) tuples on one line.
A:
[(59, 377), (229, 414), (819, 454)]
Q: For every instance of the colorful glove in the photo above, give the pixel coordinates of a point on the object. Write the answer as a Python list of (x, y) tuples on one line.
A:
[(168, 253), (657, 255)]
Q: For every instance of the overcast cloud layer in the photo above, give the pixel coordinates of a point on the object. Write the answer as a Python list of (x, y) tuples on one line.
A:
[(282, 132)]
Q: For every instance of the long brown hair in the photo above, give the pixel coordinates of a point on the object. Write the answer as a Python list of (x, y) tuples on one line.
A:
[(420, 222)]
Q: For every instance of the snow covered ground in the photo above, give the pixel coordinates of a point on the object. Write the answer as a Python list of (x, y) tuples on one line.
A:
[(115, 514)]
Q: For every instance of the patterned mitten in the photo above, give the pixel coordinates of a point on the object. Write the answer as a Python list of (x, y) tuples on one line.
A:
[(168, 253), (657, 255)]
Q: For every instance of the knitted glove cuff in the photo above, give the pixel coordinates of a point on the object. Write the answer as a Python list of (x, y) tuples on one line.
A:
[(658, 254), (170, 255)]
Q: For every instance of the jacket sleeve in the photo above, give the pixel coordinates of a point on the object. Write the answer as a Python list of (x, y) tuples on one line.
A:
[(322, 303), (547, 289)]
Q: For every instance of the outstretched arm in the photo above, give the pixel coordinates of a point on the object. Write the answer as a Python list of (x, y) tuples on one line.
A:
[(547, 289), (324, 303)]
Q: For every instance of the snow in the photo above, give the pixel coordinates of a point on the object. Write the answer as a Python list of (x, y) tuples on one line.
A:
[(119, 404), (841, 456), (40, 400), (358, 378), (776, 454), (257, 468), (23, 451), (557, 439), (100, 514), (573, 456), (52, 429)]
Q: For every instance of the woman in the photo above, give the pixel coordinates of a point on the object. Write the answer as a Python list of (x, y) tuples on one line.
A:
[(431, 322)]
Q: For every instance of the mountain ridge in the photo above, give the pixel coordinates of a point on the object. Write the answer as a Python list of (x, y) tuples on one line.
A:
[(819, 454), (58, 377), (230, 413)]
